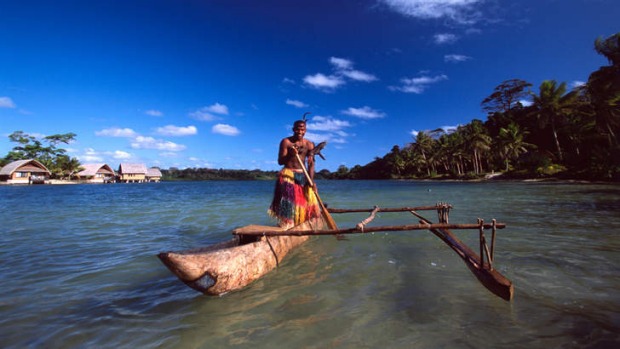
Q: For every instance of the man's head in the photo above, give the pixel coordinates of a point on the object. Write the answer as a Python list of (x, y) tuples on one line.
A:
[(299, 128)]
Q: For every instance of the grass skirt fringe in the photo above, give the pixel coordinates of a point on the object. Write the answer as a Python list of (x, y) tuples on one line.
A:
[(294, 201)]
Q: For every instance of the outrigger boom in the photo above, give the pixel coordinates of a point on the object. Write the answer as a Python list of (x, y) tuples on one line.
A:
[(493, 280), (421, 226)]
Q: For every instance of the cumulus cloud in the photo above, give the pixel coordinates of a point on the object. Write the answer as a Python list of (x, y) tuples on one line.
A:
[(364, 113), (454, 58), (153, 112), (323, 123), (116, 132), (460, 11), (171, 130), (322, 81), (121, 155), (298, 104), (90, 155), (210, 113), (341, 63), (6, 102), (327, 129), (226, 130), (444, 38), (419, 84), (343, 72), (142, 142)]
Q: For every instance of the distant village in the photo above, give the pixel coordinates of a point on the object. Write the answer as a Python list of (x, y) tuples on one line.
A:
[(32, 171)]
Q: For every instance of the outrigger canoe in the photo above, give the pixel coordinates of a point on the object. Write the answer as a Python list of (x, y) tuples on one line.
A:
[(234, 264), (255, 250)]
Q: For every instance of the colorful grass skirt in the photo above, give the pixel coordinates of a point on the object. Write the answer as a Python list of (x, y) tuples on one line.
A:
[(294, 201)]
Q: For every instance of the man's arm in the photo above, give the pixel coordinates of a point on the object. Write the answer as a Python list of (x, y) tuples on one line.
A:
[(283, 152)]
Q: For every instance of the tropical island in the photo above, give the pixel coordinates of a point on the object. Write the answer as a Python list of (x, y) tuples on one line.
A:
[(554, 132)]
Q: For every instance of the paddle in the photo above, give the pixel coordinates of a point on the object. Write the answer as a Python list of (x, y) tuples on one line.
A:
[(328, 218)]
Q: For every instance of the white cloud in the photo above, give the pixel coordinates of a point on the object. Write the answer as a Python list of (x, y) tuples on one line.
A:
[(444, 38), (119, 154), (323, 123), (341, 63), (419, 84), (577, 83), (364, 113), (454, 58), (359, 75), (344, 67), (153, 112), (171, 130), (90, 155), (208, 113), (226, 130), (298, 104), (116, 132), (322, 81), (141, 142), (460, 11), (343, 71), (330, 137), (326, 128), (6, 102), (525, 103)]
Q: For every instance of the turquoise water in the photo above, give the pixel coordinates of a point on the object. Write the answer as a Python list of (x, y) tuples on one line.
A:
[(79, 269)]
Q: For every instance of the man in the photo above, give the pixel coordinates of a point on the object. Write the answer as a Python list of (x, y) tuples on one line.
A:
[(294, 201)]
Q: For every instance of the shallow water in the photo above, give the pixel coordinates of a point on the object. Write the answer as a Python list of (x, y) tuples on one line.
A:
[(79, 269)]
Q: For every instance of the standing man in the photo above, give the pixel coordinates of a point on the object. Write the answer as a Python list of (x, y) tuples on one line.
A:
[(294, 201)]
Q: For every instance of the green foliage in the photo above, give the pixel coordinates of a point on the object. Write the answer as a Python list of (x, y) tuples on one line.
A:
[(564, 133), (50, 155)]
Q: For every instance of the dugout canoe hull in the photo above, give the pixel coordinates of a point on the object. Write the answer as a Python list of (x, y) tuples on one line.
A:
[(234, 264), (490, 278)]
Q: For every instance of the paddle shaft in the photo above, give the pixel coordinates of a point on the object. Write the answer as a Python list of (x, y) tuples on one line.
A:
[(330, 221)]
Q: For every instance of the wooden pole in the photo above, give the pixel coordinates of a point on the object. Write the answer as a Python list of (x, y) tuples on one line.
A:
[(422, 226), (328, 218), (382, 209)]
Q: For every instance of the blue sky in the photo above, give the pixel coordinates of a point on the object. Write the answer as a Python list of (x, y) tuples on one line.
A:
[(218, 84)]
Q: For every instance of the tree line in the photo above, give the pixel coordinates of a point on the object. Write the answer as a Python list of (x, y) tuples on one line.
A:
[(557, 133)]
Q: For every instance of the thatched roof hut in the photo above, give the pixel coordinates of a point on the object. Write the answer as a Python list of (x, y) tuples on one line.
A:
[(132, 172), (24, 172), (96, 173), (153, 174)]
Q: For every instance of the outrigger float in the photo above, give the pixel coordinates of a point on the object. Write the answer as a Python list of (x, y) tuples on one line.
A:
[(255, 250)]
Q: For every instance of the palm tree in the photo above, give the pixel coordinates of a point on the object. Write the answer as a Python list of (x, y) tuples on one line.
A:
[(395, 160), (423, 146), (603, 88), (510, 143), (477, 142), (551, 107)]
